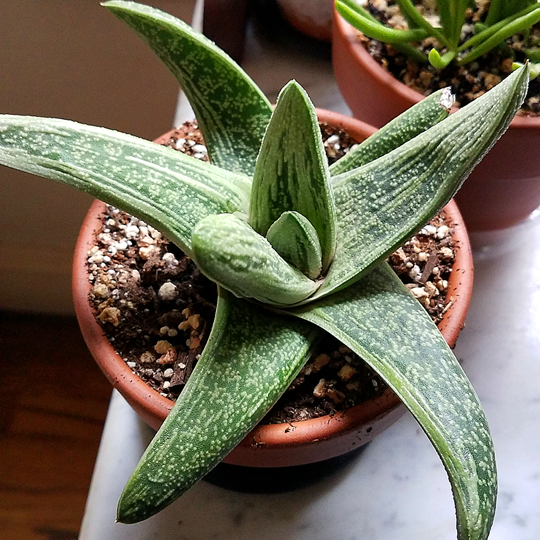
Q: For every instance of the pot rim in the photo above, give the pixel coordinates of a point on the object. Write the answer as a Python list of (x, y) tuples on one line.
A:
[(154, 407), (367, 63)]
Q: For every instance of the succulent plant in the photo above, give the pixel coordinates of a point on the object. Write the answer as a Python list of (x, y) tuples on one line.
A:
[(297, 249), (504, 19)]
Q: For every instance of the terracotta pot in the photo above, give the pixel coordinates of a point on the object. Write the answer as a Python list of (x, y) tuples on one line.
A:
[(503, 189), (311, 17), (273, 445)]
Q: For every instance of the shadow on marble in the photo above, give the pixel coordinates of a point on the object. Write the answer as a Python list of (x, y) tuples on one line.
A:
[(279, 479)]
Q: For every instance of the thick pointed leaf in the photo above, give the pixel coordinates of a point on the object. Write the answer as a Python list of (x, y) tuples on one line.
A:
[(403, 128), (169, 190), (296, 240), (380, 320), (229, 252), (383, 203), (231, 110), (250, 359), (292, 171)]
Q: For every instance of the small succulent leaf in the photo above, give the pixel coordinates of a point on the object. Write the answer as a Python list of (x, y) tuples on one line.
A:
[(438, 61), (169, 190), (534, 69), (403, 128), (374, 29), (251, 358), (231, 110), (383, 203), (291, 173), (228, 251), (388, 328), (295, 239)]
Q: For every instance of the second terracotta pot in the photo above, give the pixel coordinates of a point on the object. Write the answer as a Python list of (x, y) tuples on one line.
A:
[(275, 445), (504, 188)]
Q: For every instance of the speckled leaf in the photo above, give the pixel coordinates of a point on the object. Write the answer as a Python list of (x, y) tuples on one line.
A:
[(251, 357), (403, 128), (292, 171), (296, 240), (229, 252), (381, 321), (381, 204), (169, 190), (231, 110)]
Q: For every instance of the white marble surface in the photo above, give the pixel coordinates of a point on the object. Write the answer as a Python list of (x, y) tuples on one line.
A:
[(397, 488)]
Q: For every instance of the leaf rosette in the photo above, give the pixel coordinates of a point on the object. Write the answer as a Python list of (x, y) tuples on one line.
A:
[(297, 248)]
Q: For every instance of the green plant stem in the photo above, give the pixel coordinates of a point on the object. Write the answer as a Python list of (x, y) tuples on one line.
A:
[(407, 7), (459, 18), (501, 9), (452, 15), (445, 15), (507, 31), (378, 30), (491, 30), (411, 52), (495, 11)]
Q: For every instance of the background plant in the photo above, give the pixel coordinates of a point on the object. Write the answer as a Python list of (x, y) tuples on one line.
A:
[(268, 183), (504, 19)]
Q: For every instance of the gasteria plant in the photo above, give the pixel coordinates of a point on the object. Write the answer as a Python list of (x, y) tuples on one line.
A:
[(297, 249), (504, 19)]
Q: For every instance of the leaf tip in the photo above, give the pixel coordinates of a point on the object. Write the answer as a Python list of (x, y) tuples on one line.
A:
[(293, 89), (447, 98)]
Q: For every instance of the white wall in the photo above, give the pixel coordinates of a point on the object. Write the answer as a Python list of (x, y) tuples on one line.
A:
[(68, 59)]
